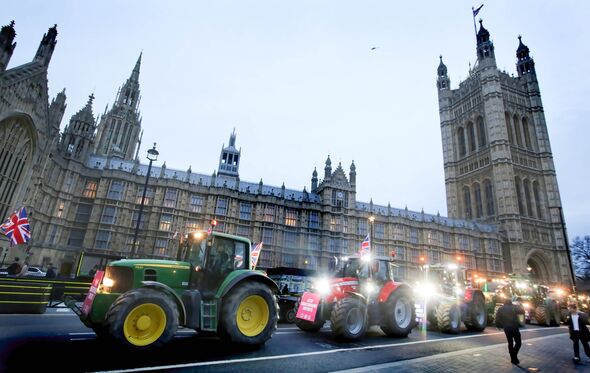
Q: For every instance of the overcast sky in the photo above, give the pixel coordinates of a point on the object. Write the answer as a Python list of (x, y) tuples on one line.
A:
[(299, 81)]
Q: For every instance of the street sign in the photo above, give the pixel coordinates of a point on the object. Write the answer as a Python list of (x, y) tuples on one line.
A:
[(92, 292), (308, 307)]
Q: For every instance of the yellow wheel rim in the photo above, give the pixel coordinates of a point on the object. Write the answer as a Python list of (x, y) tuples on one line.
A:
[(253, 315), (144, 324)]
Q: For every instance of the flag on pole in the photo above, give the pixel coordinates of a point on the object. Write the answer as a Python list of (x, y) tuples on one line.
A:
[(365, 245), (476, 11), (255, 254), (16, 227)]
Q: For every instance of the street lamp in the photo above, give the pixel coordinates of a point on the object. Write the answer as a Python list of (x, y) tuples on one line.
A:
[(371, 233), (152, 155)]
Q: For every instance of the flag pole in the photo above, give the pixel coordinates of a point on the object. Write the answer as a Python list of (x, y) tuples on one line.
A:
[(474, 26)]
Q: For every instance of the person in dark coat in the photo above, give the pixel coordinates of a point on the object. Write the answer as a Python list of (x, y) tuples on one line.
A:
[(576, 322), (507, 319), (50, 271), (15, 268)]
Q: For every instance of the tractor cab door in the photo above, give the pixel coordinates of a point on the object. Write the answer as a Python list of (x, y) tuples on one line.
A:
[(224, 255)]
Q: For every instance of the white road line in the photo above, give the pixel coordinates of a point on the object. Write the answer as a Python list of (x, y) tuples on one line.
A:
[(287, 333), (82, 333), (374, 368), (303, 354), (80, 339)]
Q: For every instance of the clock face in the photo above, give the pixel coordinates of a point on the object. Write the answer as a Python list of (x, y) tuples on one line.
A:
[(340, 194)]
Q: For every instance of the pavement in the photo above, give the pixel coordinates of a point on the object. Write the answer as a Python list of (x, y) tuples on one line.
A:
[(552, 353)]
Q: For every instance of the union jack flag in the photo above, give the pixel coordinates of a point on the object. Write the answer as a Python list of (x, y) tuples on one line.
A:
[(365, 245), (255, 254), (16, 228)]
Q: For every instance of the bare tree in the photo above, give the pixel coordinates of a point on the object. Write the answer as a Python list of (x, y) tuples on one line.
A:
[(581, 257)]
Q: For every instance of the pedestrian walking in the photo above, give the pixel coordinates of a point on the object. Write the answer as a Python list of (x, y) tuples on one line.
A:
[(50, 271), (15, 267), (576, 322), (507, 319)]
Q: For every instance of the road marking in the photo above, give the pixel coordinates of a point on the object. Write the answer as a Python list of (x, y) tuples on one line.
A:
[(82, 333), (387, 366), (80, 339), (313, 353), (287, 332)]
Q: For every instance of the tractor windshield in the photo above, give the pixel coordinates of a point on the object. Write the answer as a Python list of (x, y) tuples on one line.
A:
[(355, 267)]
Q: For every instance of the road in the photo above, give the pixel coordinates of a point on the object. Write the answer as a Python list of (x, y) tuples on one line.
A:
[(58, 340)]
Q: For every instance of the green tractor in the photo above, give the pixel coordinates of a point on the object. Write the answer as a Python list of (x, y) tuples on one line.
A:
[(210, 288)]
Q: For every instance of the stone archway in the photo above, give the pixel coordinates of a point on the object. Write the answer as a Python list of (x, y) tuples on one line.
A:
[(540, 267)]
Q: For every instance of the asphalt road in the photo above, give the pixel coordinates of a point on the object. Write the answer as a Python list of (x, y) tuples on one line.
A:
[(57, 340)]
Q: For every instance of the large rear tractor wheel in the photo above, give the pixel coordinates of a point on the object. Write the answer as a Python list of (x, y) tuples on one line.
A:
[(309, 326), (541, 316), (400, 314), (349, 319), (478, 315), (448, 318), (142, 318), (290, 315), (249, 314)]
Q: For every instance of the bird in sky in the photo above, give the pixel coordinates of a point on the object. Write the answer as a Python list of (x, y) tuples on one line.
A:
[(373, 48)]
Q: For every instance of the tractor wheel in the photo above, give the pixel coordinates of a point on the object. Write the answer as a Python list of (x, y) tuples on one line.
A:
[(400, 314), (101, 331), (349, 319), (448, 318), (290, 315), (309, 326), (142, 318), (541, 316), (478, 316), (249, 314)]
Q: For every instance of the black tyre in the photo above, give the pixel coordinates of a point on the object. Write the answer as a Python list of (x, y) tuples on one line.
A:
[(249, 314), (101, 331), (348, 319), (309, 326), (142, 318), (400, 314), (478, 316), (541, 316), (448, 318)]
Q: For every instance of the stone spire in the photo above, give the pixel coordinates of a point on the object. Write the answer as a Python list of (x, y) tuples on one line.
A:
[(7, 35), (524, 63)]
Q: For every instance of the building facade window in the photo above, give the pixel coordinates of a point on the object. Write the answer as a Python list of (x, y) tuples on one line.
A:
[(149, 195), (313, 242), (161, 247), (170, 197), (90, 189), (196, 203), (467, 202), (267, 236), (142, 223), (478, 201), (76, 237), (537, 199), (269, 213), (103, 239), (362, 227), (461, 141), (481, 129), (221, 206), (335, 245), (60, 209), (413, 235), (489, 198), (379, 230), (471, 134), (115, 190), (109, 215), (243, 231), (290, 240), (245, 210), (165, 222), (518, 187), (291, 217), (314, 220)]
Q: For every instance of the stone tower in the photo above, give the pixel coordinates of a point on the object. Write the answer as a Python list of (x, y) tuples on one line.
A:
[(498, 162), (119, 128), (7, 34), (229, 159), (77, 141)]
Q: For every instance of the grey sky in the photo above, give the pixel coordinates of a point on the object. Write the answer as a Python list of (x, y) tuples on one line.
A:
[(298, 80)]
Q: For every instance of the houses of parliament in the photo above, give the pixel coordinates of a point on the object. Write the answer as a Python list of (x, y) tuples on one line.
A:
[(83, 184)]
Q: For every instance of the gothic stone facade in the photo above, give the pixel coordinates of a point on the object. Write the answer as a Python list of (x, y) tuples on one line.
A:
[(84, 191), (498, 161)]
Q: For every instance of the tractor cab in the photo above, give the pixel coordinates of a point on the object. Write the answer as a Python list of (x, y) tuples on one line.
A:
[(367, 268), (448, 280), (213, 256)]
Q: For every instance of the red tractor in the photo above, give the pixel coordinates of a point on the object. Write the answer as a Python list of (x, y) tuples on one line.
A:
[(363, 294)]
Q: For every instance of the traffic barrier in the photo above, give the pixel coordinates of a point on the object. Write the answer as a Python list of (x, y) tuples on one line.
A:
[(24, 297)]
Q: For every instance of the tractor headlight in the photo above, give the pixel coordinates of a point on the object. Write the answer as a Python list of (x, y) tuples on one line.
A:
[(526, 305), (323, 286), (425, 290), (458, 291), (108, 282), (370, 288)]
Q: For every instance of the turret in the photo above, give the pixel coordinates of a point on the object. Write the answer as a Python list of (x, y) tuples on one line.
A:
[(443, 82), (314, 180), (485, 47), (328, 169), (352, 175), (47, 46), (7, 35), (229, 159), (524, 63)]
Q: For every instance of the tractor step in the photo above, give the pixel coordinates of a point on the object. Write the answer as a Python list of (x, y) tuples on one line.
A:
[(209, 315)]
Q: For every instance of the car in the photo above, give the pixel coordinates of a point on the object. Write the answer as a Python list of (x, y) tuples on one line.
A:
[(35, 272)]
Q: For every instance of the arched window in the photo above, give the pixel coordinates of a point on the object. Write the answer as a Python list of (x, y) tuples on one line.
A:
[(537, 199), (461, 140), (478, 201), (527, 197), (481, 129), (471, 134), (487, 185), (518, 187), (509, 128), (527, 134), (517, 134), (15, 154), (467, 202)]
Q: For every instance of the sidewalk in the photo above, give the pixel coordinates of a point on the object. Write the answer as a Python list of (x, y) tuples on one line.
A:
[(542, 354)]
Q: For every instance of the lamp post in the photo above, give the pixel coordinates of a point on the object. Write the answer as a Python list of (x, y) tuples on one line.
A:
[(371, 233), (152, 155)]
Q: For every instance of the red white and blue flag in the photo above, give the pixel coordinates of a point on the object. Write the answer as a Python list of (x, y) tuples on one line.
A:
[(16, 227), (255, 254), (365, 245)]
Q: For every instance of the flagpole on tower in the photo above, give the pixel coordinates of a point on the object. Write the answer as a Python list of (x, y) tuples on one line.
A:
[(475, 12)]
